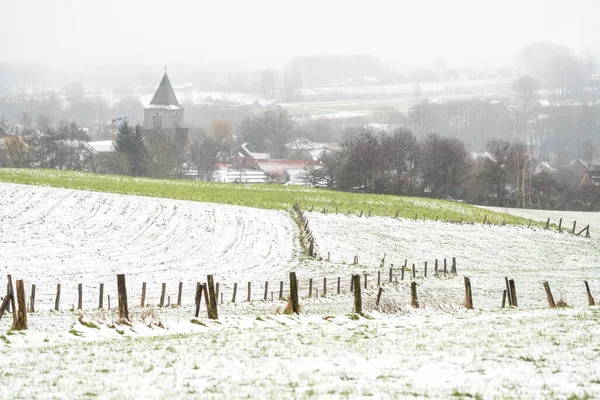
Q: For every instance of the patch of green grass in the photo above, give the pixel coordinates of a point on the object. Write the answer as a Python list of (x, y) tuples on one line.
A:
[(196, 321), (4, 339), (266, 196), (75, 333)]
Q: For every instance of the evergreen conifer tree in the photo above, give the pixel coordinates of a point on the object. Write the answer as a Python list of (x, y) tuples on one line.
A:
[(131, 150)]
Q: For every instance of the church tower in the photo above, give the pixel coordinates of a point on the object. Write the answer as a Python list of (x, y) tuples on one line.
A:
[(164, 111)]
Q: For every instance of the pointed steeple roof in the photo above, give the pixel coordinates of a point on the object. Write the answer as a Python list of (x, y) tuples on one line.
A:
[(165, 96)]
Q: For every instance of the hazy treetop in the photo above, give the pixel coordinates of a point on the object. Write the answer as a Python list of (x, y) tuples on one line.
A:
[(266, 33)]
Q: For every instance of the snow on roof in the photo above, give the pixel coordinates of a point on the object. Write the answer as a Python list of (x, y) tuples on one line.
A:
[(260, 156), (303, 143), (103, 146)]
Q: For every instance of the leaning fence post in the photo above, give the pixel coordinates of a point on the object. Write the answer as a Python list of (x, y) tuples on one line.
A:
[(378, 297), (122, 294), (357, 294), (508, 291), (294, 293), (574, 225), (198, 299), (503, 298), (549, 296), (513, 292), (560, 225), (234, 292), (589, 294), (468, 294)]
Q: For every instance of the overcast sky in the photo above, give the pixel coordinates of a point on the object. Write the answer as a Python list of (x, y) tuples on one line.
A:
[(265, 33)]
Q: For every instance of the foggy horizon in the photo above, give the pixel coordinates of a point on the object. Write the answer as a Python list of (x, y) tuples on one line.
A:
[(267, 34)]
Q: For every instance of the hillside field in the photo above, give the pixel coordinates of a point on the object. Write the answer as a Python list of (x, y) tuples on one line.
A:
[(266, 196), (51, 235)]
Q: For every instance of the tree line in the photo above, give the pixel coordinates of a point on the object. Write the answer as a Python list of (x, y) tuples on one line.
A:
[(400, 163)]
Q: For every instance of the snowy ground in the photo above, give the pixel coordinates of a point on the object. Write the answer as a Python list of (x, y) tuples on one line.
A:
[(440, 350), (583, 218), (50, 236), (485, 253)]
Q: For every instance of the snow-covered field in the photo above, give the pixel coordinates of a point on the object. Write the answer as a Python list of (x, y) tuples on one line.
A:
[(485, 253), (440, 350), (50, 236), (582, 218)]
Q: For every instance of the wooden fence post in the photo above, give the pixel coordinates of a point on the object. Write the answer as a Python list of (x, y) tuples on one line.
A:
[(378, 278), (281, 290), (294, 293), (402, 272), (414, 274), (162, 295), (413, 295), (445, 267), (80, 296), (513, 293), (391, 271), (378, 297), (249, 292), (11, 296), (212, 302), (4, 306), (504, 298), (365, 281), (453, 270), (57, 301), (468, 294), (549, 296), (143, 301), (435, 268), (198, 298), (122, 294), (560, 225), (310, 287), (234, 292), (108, 299), (266, 290), (548, 223), (351, 283), (425, 269), (325, 286), (179, 293), (101, 296), (32, 305), (589, 294), (357, 295), (508, 291), (574, 225), (338, 285), (20, 323), (205, 293)]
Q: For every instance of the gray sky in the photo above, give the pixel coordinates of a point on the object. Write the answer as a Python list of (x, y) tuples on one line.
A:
[(265, 33)]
